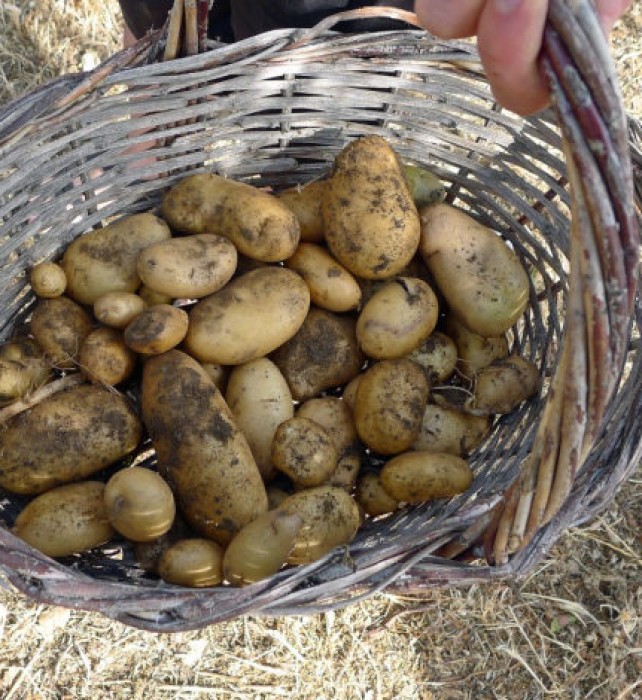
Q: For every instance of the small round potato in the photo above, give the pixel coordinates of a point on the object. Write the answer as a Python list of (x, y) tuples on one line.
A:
[(105, 359), (194, 563), (188, 267), (48, 280), (397, 319), (65, 520), (139, 504), (438, 357), (304, 451), (448, 430), (417, 477), (305, 202), (118, 309), (390, 403), (330, 518), (474, 351), (503, 385), (260, 548), (372, 497), (156, 329)]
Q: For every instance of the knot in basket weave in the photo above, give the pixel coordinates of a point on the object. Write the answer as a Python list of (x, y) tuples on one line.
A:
[(274, 110)]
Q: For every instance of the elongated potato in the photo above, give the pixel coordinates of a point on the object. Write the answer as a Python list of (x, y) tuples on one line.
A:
[(104, 260), (305, 202), (66, 437), (503, 385), (249, 318), (371, 222), (481, 278), (192, 562), (416, 477), (66, 520), (260, 401), (448, 430), (201, 452), (191, 266), (105, 359), (258, 223)]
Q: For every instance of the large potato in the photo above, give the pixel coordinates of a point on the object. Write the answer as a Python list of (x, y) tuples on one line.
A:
[(191, 266), (200, 450), (250, 317), (480, 276), (397, 319), (448, 430), (104, 260), (371, 222), (258, 223), (260, 401), (66, 520), (66, 437)]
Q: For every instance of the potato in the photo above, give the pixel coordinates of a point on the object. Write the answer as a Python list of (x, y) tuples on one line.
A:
[(389, 405), (349, 394), (200, 450), (372, 497), (104, 260), (66, 437), (156, 329), (305, 202), (474, 351), (191, 266), (249, 318), (448, 430), (193, 562), (480, 276), (60, 327), (332, 287), (425, 187), (304, 451), (397, 319), (258, 223), (219, 374), (330, 518), (504, 385), (260, 548), (118, 309), (322, 355), (371, 223), (66, 520), (260, 401), (151, 298), (139, 504), (48, 280), (416, 477), (105, 359), (148, 554), (438, 357), (23, 369)]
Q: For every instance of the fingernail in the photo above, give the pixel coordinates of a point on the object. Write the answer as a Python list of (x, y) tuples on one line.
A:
[(506, 7)]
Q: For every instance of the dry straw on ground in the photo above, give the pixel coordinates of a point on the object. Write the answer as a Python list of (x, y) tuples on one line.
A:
[(573, 629)]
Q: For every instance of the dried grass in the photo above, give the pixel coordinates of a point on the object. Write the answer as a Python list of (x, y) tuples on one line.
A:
[(572, 629)]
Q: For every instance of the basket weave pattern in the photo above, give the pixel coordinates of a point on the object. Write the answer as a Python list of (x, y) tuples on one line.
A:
[(274, 111)]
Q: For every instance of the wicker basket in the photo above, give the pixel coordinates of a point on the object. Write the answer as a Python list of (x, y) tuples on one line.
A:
[(274, 110)]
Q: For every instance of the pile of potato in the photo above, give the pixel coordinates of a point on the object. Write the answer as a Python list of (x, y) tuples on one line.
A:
[(274, 341)]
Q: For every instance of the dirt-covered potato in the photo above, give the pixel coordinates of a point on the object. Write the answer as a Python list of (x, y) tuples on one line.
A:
[(193, 563), (416, 477), (104, 260), (389, 405), (303, 450), (48, 280), (200, 450), (23, 369), (156, 329), (438, 357), (445, 429), (257, 222), (372, 497), (480, 276), (260, 548), (332, 287), (474, 352), (330, 518), (189, 267), (139, 504), (118, 309), (60, 327), (504, 385), (305, 202), (397, 319), (260, 401), (322, 355), (249, 318), (66, 437), (105, 359), (66, 520), (371, 222)]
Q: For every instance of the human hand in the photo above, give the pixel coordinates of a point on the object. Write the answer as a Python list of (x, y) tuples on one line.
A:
[(509, 38)]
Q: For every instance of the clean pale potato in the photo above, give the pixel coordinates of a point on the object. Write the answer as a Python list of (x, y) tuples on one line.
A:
[(305, 202), (118, 309), (48, 280), (156, 329), (504, 385), (438, 357), (193, 563), (445, 429), (105, 359)]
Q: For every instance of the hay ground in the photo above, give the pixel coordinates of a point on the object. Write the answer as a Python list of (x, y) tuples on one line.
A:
[(573, 629)]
